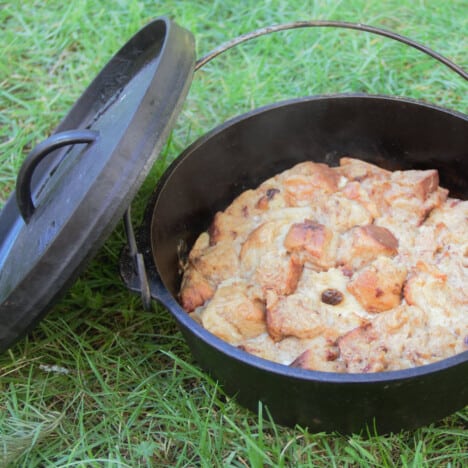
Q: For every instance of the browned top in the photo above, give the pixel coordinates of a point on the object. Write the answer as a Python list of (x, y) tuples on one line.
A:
[(345, 269)]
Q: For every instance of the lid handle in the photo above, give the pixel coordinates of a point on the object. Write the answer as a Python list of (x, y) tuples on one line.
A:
[(330, 24), (23, 181)]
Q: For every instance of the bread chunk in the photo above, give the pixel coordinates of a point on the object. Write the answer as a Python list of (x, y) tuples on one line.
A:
[(322, 355), (312, 242), (195, 291), (307, 180), (378, 286), (443, 296), (412, 195), (217, 263), (358, 170), (264, 259), (362, 244), (420, 183), (354, 190), (232, 316), (340, 213), (229, 228), (280, 273)]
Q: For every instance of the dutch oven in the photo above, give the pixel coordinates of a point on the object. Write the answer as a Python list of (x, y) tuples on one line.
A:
[(75, 186)]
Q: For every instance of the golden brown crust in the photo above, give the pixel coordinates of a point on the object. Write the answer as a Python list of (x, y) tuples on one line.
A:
[(347, 269), (362, 244), (278, 273), (232, 316), (292, 316), (378, 287), (195, 290), (322, 358), (307, 180), (312, 242)]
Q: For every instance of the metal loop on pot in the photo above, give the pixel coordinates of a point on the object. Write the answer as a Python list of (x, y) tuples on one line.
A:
[(329, 24)]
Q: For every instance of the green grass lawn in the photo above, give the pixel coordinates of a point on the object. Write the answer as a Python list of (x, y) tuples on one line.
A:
[(101, 382)]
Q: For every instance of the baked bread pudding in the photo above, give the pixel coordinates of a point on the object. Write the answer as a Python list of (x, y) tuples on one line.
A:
[(343, 269)]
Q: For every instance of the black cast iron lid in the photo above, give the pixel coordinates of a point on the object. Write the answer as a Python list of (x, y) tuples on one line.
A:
[(75, 186)]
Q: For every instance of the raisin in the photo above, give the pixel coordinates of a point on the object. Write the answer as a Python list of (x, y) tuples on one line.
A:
[(270, 193), (332, 296)]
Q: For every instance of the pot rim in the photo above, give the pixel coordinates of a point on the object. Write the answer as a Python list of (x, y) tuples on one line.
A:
[(283, 103), (166, 298)]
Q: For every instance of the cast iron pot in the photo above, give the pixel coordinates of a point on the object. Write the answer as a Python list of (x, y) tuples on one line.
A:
[(393, 133)]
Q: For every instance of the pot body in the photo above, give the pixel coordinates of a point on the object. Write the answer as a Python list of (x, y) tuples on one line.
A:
[(390, 132)]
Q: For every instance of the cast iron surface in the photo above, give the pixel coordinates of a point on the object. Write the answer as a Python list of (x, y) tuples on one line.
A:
[(391, 132), (71, 199)]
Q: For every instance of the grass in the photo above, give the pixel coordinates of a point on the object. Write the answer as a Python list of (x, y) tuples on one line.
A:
[(101, 382)]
